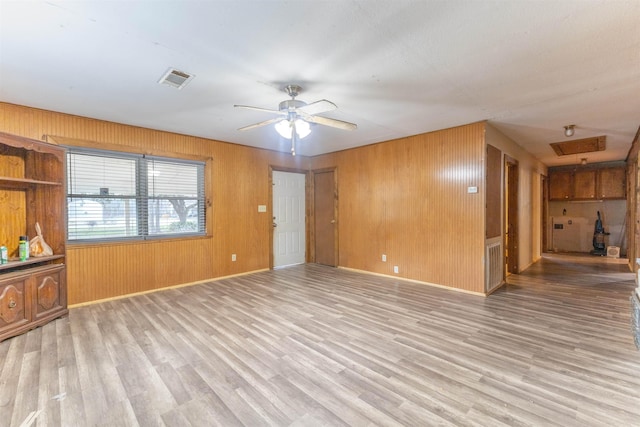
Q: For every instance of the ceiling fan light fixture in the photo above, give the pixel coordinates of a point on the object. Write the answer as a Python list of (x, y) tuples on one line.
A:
[(284, 128), (302, 128), (569, 130)]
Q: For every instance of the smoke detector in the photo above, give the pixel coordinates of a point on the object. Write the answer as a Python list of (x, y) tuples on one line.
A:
[(175, 78)]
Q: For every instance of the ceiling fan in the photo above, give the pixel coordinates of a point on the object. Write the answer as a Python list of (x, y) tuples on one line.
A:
[(294, 116)]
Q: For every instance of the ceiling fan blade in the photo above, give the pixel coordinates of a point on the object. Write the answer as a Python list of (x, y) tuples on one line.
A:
[(331, 122), (318, 107), (266, 110), (265, 123)]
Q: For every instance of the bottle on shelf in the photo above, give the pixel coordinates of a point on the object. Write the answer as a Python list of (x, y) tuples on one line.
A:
[(23, 248)]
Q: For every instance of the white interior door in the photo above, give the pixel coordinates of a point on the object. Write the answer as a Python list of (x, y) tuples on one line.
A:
[(288, 218)]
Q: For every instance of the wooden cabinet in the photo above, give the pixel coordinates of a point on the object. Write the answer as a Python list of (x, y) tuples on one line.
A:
[(560, 185), (612, 183), (32, 189), (588, 184), (15, 311), (584, 184)]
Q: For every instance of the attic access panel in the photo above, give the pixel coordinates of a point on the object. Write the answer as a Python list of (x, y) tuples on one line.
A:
[(577, 146)]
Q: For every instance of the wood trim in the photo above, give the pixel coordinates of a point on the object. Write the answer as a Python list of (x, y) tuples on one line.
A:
[(635, 148), (26, 143), (73, 142), (182, 285), (404, 279)]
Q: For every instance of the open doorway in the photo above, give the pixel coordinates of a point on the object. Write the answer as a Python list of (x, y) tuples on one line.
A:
[(511, 215), (544, 214)]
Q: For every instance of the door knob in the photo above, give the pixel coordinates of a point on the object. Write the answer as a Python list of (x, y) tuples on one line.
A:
[(333, 221), (275, 225)]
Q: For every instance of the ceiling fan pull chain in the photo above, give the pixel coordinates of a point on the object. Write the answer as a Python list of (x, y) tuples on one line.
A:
[(294, 136)]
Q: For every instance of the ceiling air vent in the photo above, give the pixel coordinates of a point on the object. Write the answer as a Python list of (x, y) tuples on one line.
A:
[(175, 78)]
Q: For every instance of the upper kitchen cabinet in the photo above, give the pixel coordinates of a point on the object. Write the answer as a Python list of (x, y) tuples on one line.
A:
[(584, 184), (612, 183), (560, 185), (587, 183)]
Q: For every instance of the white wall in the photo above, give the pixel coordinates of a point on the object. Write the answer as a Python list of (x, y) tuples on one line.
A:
[(612, 213), (530, 171)]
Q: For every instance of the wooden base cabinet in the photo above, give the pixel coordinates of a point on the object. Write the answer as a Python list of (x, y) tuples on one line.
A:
[(31, 298), (15, 310)]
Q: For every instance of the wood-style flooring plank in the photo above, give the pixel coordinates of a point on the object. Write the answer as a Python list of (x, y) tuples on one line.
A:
[(313, 345)]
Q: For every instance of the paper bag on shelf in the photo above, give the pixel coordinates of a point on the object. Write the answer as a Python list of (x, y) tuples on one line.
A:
[(37, 245)]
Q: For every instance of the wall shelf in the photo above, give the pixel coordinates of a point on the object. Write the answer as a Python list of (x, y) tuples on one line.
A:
[(23, 183), (15, 263)]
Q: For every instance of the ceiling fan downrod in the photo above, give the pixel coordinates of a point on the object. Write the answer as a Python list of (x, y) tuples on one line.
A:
[(293, 90)]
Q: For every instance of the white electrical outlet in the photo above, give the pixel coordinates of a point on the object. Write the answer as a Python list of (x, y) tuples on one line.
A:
[(384, 258), (395, 269), (233, 257)]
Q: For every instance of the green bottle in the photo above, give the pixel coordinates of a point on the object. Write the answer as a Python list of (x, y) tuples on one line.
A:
[(23, 248)]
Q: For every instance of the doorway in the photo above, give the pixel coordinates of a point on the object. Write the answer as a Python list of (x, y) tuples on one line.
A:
[(544, 212), (325, 201), (289, 218), (511, 215)]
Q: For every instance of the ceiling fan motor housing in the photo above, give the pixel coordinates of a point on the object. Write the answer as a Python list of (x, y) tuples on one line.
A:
[(291, 104)]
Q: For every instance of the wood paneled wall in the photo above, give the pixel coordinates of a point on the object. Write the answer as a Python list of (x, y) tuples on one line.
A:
[(409, 199), (406, 198), (240, 182), (494, 191)]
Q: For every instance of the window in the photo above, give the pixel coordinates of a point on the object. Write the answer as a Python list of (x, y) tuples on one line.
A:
[(116, 196)]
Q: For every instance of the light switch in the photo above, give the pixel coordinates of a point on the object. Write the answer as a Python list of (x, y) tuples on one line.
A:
[(472, 189), (262, 208)]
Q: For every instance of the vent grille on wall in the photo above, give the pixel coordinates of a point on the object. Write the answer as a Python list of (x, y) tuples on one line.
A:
[(175, 78), (494, 266)]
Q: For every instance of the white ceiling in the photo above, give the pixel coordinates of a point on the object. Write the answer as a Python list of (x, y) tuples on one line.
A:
[(396, 68)]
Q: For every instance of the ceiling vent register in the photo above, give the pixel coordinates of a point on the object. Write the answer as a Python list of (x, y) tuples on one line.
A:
[(175, 78)]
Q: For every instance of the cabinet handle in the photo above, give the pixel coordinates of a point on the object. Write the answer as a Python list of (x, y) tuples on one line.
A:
[(12, 304)]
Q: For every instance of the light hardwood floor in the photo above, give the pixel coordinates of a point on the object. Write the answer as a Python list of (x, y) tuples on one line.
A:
[(313, 345)]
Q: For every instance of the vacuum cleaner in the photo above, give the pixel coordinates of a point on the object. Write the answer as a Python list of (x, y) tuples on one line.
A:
[(598, 238)]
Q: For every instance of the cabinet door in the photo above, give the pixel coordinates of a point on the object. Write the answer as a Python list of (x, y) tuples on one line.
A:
[(584, 184), (15, 311), (612, 183), (560, 185), (50, 293)]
